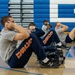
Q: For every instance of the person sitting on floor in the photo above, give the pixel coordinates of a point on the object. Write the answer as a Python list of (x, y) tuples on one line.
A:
[(64, 38), (46, 27), (18, 57), (48, 38)]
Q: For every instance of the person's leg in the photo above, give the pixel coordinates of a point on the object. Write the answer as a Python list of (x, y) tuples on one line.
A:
[(40, 52), (68, 39), (21, 55), (50, 37), (72, 34), (39, 32)]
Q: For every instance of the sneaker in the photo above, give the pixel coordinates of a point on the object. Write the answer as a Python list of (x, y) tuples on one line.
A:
[(59, 47), (49, 64), (63, 62), (62, 47)]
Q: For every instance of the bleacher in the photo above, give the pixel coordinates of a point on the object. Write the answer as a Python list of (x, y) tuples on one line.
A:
[(41, 12), (3, 9), (26, 11)]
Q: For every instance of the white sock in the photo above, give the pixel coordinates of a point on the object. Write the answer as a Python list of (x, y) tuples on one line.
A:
[(45, 60), (59, 44)]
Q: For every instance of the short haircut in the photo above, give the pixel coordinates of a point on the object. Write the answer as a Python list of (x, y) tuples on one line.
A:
[(5, 19), (56, 23), (31, 24), (45, 21)]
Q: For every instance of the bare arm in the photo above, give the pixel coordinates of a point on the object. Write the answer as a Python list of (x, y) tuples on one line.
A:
[(22, 32), (48, 27), (64, 27)]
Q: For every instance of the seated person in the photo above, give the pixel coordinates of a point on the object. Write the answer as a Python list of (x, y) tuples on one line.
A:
[(64, 38), (33, 28), (50, 37), (48, 42), (46, 27), (18, 57)]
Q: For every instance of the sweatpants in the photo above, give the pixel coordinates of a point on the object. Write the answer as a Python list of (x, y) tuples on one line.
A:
[(50, 37), (22, 54)]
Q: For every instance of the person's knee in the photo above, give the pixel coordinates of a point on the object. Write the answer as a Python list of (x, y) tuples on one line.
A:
[(52, 31), (74, 28)]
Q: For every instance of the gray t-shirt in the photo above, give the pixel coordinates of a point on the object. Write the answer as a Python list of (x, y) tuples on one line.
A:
[(61, 35), (7, 45)]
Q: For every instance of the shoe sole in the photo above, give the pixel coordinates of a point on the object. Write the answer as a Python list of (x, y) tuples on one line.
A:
[(49, 66)]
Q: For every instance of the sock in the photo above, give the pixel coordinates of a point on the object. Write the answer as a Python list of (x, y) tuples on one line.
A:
[(59, 44), (45, 60)]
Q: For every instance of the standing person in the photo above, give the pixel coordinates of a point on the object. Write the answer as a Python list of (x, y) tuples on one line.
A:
[(46, 27), (64, 38), (18, 57)]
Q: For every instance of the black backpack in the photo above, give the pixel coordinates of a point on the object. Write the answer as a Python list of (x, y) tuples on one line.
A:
[(54, 54)]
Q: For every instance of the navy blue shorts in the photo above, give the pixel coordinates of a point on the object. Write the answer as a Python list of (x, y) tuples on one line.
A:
[(68, 39)]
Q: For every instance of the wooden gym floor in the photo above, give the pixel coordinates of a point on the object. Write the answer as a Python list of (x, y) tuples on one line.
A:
[(33, 68)]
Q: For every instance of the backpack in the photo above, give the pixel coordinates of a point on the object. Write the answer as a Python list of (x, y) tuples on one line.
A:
[(54, 54)]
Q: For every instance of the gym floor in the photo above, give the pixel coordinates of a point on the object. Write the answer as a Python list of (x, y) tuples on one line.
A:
[(33, 68)]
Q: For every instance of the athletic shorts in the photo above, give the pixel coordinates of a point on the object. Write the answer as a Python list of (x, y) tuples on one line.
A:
[(68, 39)]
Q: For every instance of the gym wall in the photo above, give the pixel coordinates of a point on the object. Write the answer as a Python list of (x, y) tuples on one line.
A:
[(26, 11)]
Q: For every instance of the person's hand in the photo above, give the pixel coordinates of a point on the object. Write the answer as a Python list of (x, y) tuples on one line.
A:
[(32, 28), (58, 24), (48, 26), (29, 31)]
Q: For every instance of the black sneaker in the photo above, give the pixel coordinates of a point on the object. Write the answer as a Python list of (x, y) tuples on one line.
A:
[(49, 64), (59, 47), (63, 62), (62, 47)]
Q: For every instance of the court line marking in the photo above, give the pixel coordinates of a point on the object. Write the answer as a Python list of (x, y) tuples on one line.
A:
[(19, 70)]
